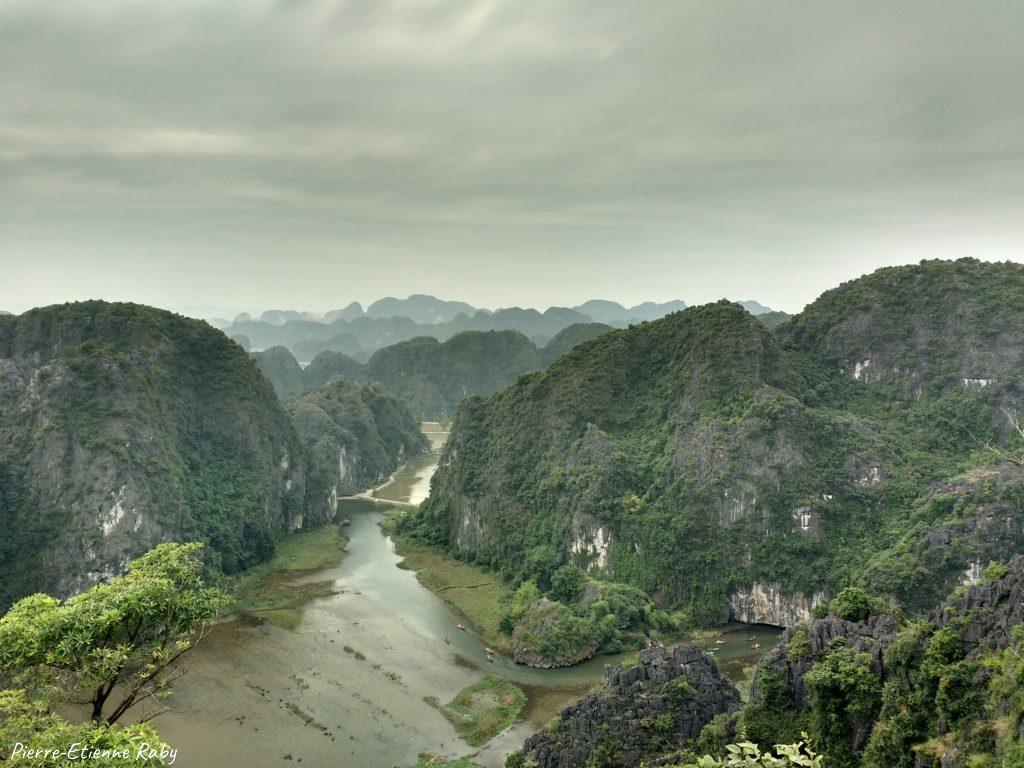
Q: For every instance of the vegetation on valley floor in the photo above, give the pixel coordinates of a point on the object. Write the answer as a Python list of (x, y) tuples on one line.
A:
[(277, 589), (475, 593), (484, 709)]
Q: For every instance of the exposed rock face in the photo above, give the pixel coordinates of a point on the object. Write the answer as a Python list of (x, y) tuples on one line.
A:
[(767, 604), (123, 426), (920, 326), (872, 636), (356, 435), (984, 614), (981, 522), (667, 698)]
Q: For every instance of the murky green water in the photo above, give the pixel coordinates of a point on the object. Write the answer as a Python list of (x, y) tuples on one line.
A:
[(346, 688)]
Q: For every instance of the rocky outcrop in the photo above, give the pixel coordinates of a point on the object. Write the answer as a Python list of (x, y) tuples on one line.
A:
[(768, 604), (800, 648), (663, 701), (984, 614), (550, 636), (978, 520)]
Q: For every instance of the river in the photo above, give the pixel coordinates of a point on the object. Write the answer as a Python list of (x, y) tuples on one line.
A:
[(346, 688)]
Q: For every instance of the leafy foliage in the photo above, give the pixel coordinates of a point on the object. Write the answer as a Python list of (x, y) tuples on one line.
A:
[(854, 604), (119, 642), (846, 698), (28, 726), (749, 755)]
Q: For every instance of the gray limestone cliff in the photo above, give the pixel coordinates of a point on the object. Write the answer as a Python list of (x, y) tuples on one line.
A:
[(663, 701)]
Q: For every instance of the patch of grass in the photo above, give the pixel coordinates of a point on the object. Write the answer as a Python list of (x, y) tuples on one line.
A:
[(431, 760), (477, 594), (484, 709), (274, 590)]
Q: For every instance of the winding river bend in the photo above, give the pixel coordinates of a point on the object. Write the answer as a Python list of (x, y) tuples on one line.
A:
[(346, 688)]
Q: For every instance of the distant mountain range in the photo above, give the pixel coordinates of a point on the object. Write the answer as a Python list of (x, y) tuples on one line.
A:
[(428, 375), (359, 332)]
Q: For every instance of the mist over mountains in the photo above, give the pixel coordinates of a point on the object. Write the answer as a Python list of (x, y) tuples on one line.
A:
[(359, 332)]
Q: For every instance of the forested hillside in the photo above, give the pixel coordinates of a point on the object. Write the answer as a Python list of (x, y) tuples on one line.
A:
[(432, 376), (726, 469), (289, 378), (356, 435), (429, 376), (123, 426)]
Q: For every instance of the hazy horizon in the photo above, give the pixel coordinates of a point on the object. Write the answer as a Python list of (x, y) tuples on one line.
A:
[(302, 154)]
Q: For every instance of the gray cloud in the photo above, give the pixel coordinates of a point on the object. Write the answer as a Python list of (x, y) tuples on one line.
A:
[(306, 153)]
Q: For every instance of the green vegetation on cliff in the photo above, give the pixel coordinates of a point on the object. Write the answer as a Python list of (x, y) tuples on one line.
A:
[(432, 376), (699, 454), (355, 436), (890, 691), (289, 379), (122, 426)]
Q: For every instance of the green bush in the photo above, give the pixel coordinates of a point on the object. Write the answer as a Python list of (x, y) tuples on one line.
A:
[(854, 604)]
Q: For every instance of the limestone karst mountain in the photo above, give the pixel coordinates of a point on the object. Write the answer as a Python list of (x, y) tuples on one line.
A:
[(122, 426), (733, 470)]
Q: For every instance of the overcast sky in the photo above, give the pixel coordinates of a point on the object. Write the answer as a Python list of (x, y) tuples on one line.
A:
[(302, 154)]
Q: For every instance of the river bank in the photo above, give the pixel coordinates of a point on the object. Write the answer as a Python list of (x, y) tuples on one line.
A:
[(336, 654)]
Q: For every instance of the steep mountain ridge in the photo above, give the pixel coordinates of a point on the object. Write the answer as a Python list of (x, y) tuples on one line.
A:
[(433, 376), (289, 378), (389, 321), (124, 426), (728, 469), (356, 435), (966, 330)]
